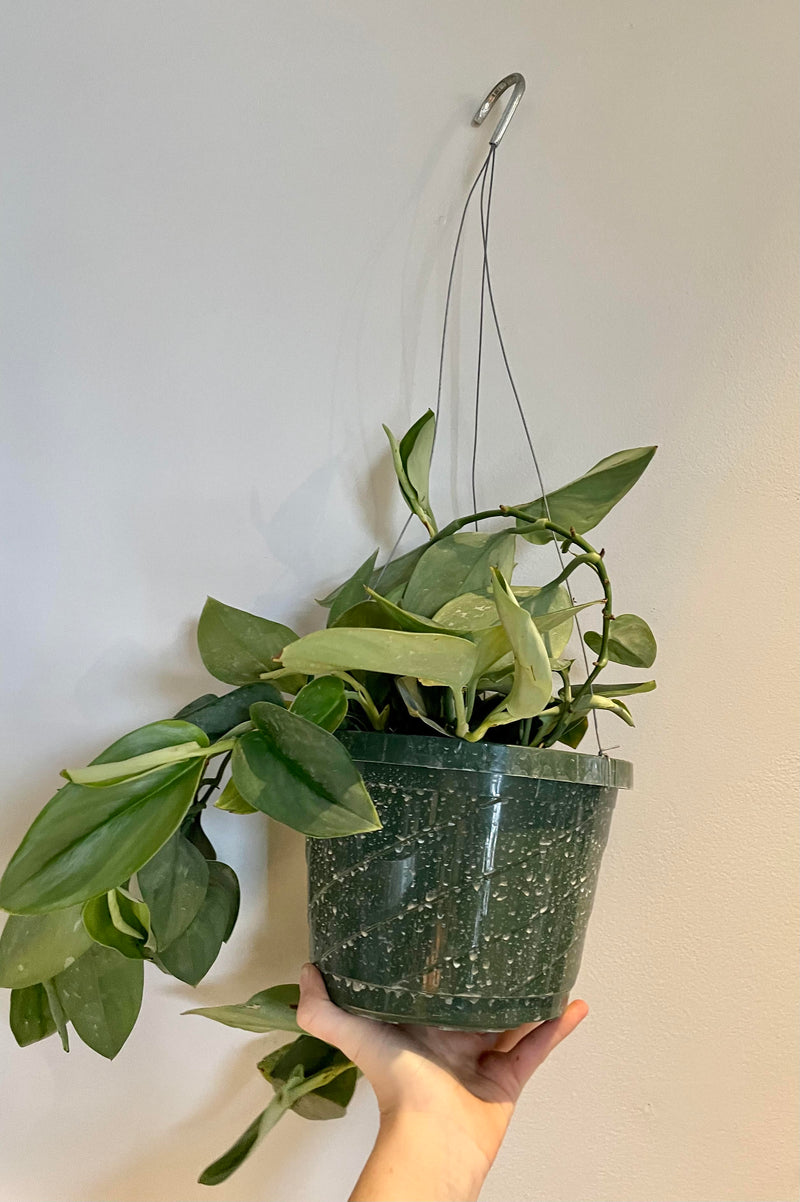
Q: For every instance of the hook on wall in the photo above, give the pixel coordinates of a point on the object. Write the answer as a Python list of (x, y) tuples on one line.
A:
[(514, 80)]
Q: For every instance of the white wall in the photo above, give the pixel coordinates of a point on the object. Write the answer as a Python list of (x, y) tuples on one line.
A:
[(226, 233)]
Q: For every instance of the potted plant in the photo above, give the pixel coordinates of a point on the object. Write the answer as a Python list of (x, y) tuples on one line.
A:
[(425, 743)]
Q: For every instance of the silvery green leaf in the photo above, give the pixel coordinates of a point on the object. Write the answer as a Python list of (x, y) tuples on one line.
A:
[(34, 948), (236, 646), (586, 501), (630, 642), (459, 563)]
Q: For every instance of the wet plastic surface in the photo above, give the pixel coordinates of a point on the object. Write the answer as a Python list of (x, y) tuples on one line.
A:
[(469, 908)]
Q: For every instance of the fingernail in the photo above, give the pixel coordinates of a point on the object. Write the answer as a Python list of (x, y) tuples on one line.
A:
[(305, 974)]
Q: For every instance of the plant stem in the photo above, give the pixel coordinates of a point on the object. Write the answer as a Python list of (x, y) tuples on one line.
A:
[(367, 704), (462, 726)]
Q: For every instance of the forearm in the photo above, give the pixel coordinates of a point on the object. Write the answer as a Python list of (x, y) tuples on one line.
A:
[(416, 1158)]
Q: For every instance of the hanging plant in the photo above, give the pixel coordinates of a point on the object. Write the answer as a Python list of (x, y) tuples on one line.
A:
[(424, 742)]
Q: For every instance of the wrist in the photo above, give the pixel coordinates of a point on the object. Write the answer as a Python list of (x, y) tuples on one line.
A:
[(422, 1157)]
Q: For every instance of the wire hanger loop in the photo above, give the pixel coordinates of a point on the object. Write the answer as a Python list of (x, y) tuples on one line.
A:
[(515, 81)]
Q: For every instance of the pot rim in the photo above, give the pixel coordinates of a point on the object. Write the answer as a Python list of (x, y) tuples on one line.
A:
[(542, 763)]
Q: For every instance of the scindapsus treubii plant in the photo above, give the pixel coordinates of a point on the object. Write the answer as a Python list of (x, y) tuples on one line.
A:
[(117, 870)]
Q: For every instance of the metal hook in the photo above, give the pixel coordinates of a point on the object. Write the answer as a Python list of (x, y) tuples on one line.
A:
[(514, 80)]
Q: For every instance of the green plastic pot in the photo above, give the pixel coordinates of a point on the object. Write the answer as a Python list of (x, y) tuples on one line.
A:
[(469, 908)]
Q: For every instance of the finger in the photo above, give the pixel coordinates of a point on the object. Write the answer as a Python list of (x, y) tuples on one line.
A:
[(534, 1048), (318, 1015), (514, 1069), (507, 1040)]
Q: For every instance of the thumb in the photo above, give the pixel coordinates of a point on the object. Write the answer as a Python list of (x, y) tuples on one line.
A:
[(513, 1069), (318, 1015)]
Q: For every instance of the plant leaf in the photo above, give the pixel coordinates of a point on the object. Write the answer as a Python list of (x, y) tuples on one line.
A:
[(443, 658), (29, 1016), (174, 884), (457, 564), (230, 1161), (623, 690), (301, 775), (152, 737), (351, 592), (391, 578), (584, 502), (368, 614), (533, 679), (139, 751), (328, 1101), (88, 840), (322, 701), (112, 920), (273, 1009), (631, 642), (101, 994), (236, 646), (34, 948), (231, 800), (412, 462), (57, 1011), (573, 735), (190, 956), (287, 1094), (217, 715), (409, 689), (404, 620)]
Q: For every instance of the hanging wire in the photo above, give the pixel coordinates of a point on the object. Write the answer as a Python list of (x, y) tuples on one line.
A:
[(486, 173), (487, 279), (440, 382)]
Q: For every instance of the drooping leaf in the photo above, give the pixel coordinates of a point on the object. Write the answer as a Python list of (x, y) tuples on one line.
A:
[(192, 829), (230, 1161), (631, 642), (460, 563), (190, 956), (217, 715), (301, 775), (231, 800), (586, 501), (88, 840), (351, 591), (623, 690), (57, 1012), (174, 884), (273, 1009), (328, 1101), (237, 646), (34, 948), (287, 1094), (169, 732), (29, 1016), (322, 701), (138, 751), (412, 461), (443, 658), (101, 994), (120, 922), (533, 679)]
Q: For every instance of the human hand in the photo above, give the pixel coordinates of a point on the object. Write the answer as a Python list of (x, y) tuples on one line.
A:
[(445, 1097)]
